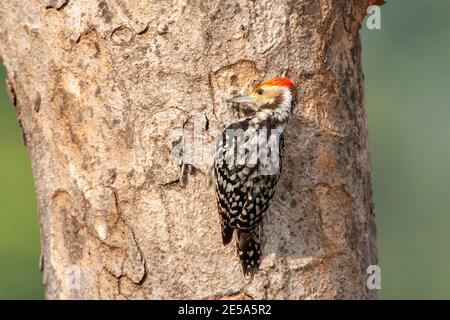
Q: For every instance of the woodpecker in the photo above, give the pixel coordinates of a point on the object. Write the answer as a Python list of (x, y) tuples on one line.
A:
[(247, 166)]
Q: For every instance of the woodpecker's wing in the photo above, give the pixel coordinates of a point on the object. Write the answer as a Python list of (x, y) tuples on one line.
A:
[(230, 179), (244, 191), (260, 186), (261, 190)]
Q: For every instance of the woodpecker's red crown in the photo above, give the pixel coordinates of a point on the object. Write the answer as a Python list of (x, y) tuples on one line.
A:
[(282, 82)]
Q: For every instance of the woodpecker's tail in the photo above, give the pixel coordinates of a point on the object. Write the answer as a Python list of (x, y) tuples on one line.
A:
[(249, 250)]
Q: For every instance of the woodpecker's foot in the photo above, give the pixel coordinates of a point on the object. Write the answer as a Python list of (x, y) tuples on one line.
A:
[(178, 155), (186, 168)]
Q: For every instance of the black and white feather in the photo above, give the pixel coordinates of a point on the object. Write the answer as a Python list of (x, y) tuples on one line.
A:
[(244, 181)]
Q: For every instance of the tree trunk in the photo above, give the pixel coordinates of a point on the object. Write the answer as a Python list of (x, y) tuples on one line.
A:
[(102, 90)]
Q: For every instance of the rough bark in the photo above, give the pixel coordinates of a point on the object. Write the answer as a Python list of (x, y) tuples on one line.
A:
[(99, 88)]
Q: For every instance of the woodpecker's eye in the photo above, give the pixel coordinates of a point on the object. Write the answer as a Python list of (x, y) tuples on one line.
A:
[(260, 91)]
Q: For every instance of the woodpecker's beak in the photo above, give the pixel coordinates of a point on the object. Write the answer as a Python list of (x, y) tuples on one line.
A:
[(242, 99)]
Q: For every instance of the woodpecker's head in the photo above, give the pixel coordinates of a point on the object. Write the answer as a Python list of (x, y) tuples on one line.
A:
[(271, 98)]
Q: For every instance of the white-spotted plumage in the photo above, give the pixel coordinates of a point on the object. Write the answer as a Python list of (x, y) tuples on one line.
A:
[(245, 180)]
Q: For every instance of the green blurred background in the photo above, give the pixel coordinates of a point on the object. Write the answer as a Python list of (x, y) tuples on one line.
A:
[(407, 84), (20, 277)]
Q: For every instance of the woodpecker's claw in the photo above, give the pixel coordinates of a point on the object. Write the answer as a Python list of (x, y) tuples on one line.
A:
[(186, 168)]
